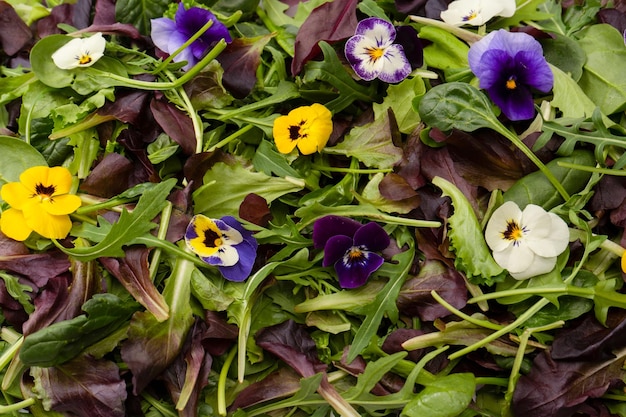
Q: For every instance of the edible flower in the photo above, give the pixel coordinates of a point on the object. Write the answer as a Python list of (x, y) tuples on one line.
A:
[(476, 12), (169, 35), (80, 52), (372, 53), (349, 246), (223, 243), (509, 65), (307, 127), (527, 242), (39, 202)]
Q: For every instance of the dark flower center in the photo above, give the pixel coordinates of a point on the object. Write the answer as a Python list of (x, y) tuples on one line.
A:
[(514, 231), (44, 191), (212, 239), (294, 131), (356, 254)]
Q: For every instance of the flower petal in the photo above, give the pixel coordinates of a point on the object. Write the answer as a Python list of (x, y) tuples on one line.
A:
[(15, 194), (396, 66), (35, 176), (204, 237), (354, 272), (61, 204), (478, 49), (161, 33), (534, 70), (80, 52), (515, 258), (60, 178), (317, 129), (468, 12), (223, 256), (540, 265), (241, 270), (555, 242), (382, 32), (328, 226), (364, 56), (13, 224), (497, 224), (282, 136), (335, 249), (48, 225), (516, 105), (372, 236)]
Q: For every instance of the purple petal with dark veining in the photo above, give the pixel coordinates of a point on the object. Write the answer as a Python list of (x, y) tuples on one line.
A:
[(372, 236), (355, 272), (335, 248), (328, 226)]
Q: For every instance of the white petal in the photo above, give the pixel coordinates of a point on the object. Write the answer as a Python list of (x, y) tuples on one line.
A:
[(497, 224), (540, 265), (69, 55), (555, 242), (463, 12), (537, 221), (508, 8), (516, 258), (380, 32), (358, 52), (396, 66), (225, 256)]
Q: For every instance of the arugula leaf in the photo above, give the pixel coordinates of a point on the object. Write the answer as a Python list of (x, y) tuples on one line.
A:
[(129, 226)]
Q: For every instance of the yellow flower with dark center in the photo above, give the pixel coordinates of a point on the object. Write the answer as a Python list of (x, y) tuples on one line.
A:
[(307, 127), (39, 202)]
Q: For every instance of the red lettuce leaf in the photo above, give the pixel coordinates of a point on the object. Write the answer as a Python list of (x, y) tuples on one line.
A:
[(240, 61), (133, 273), (82, 387), (175, 123), (415, 297), (330, 22), (279, 384), (38, 268), (254, 209), (99, 183), (14, 34)]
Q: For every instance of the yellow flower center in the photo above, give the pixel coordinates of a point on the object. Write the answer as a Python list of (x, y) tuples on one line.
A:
[(472, 15), (511, 84), (212, 239), (355, 253), (44, 192), (84, 59), (513, 231), (375, 53)]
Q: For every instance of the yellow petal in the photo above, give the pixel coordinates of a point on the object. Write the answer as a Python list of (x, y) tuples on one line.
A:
[(624, 263), (61, 204), (61, 178), (204, 228), (34, 176), (13, 224), (15, 194), (58, 178), (282, 135), (48, 225)]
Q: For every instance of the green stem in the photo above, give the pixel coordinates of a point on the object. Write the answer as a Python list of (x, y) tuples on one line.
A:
[(272, 28), (184, 46), (221, 383), (350, 170), (160, 85), (166, 215), (481, 323), (230, 138), (466, 35), (12, 408)]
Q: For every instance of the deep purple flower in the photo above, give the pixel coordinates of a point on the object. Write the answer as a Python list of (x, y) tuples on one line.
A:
[(169, 35), (372, 52), (223, 243), (509, 65), (350, 246)]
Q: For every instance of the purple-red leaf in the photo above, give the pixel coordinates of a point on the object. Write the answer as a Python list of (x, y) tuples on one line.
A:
[(330, 22), (279, 384), (415, 297), (14, 34), (99, 183), (82, 387), (240, 61), (38, 268), (175, 123), (133, 273)]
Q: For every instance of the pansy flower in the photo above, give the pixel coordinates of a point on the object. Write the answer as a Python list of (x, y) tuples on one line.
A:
[(80, 52), (39, 202), (349, 246), (527, 242), (169, 35), (509, 65), (476, 12), (372, 52), (223, 243), (307, 127)]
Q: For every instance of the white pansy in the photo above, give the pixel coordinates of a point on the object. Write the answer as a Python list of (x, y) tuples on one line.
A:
[(527, 242), (476, 12), (80, 52)]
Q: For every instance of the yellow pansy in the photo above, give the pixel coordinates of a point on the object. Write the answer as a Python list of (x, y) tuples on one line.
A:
[(307, 127), (39, 202)]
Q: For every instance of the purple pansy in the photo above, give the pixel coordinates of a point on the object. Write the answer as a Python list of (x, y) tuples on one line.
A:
[(350, 246), (223, 243), (372, 52), (169, 35), (509, 65)]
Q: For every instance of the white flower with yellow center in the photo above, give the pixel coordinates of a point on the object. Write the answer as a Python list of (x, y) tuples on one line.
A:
[(476, 12), (527, 242), (80, 52)]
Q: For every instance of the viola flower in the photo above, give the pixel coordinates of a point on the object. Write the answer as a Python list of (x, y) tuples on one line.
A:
[(80, 52), (169, 35), (350, 246), (476, 12), (372, 53), (223, 243), (527, 242), (509, 65), (307, 127), (39, 202)]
